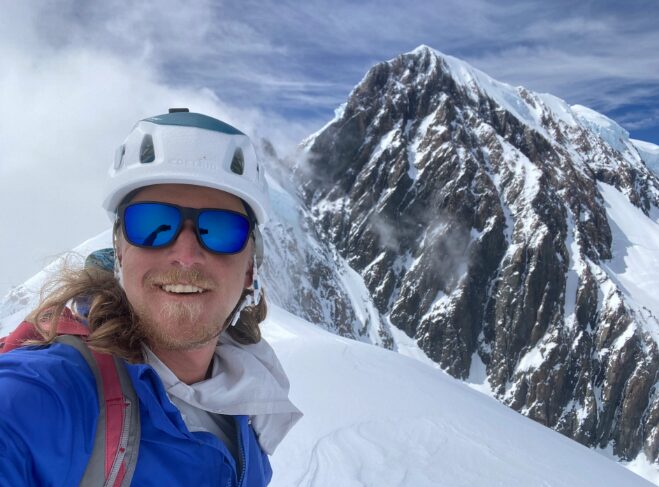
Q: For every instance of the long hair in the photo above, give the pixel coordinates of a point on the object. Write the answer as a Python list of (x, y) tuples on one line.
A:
[(112, 323)]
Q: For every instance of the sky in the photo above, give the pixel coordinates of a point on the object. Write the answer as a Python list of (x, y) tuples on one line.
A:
[(77, 75)]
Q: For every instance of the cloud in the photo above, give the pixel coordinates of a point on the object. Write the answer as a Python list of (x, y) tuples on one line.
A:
[(63, 116), (631, 121), (602, 58), (558, 47), (78, 75), (304, 58), (67, 104)]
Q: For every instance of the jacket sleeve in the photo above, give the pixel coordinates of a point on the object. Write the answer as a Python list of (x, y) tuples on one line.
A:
[(15, 462), (48, 411)]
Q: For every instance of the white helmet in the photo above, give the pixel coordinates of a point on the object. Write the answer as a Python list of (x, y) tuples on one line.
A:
[(188, 148)]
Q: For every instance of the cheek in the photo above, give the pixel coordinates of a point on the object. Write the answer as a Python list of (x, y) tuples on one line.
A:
[(234, 273), (131, 270)]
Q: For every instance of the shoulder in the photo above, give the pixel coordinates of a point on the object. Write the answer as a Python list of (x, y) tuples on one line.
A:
[(54, 381), (50, 368), (48, 411)]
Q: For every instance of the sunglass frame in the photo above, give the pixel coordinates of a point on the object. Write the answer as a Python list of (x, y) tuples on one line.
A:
[(186, 213)]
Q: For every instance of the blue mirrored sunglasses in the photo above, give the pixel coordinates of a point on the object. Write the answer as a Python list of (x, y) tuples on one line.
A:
[(151, 224)]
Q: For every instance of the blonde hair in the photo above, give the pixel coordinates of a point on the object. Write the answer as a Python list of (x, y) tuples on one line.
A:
[(113, 325)]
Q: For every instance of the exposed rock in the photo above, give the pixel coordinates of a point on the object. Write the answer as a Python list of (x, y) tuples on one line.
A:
[(473, 213)]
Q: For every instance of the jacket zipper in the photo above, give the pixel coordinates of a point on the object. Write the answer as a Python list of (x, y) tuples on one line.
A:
[(241, 453)]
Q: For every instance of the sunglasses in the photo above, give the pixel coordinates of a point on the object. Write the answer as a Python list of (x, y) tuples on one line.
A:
[(153, 225)]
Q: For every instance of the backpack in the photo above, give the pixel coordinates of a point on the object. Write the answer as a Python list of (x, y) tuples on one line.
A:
[(116, 444)]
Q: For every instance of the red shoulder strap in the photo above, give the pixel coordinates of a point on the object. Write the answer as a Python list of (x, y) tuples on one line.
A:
[(24, 331), (67, 325), (119, 425), (115, 409), (116, 446)]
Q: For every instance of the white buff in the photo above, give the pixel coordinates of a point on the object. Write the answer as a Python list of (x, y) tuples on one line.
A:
[(246, 380)]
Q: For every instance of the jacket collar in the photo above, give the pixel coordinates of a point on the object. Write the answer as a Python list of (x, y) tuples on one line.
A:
[(246, 380)]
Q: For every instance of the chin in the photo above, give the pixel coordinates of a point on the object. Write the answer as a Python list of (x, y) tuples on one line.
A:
[(179, 326)]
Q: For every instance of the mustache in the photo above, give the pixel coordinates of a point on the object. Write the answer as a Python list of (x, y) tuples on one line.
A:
[(193, 276)]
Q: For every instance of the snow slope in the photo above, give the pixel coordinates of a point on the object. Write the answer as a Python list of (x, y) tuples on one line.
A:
[(608, 130), (635, 252), (377, 418)]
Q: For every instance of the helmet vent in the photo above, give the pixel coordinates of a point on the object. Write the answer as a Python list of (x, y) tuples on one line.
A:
[(238, 162), (147, 152), (119, 157)]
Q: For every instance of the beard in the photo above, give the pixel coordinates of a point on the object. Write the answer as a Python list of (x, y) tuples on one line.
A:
[(178, 325)]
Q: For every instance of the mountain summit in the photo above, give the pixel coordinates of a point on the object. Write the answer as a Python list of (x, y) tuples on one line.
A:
[(499, 228)]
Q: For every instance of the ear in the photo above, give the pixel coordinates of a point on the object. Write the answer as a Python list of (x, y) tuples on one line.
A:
[(249, 274)]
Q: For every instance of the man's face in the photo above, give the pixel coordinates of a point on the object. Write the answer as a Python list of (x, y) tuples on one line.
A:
[(157, 281)]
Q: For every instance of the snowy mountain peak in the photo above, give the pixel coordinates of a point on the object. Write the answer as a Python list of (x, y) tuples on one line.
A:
[(532, 109), (527, 106), (491, 225)]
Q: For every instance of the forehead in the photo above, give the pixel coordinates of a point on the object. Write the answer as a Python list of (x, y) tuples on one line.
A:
[(190, 196)]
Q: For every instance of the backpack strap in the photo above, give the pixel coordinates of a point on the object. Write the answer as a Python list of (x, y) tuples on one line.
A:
[(117, 440), (116, 444), (67, 325)]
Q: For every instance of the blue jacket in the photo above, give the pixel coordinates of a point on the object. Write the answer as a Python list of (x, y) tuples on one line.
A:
[(48, 411)]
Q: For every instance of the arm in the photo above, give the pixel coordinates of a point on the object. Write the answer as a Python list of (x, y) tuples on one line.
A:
[(48, 410), (15, 461)]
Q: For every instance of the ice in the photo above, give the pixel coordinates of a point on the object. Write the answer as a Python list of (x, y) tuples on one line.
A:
[(607, 129)]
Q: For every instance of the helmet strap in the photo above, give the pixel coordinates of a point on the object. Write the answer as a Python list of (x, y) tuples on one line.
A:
[(118, 271), (251, 299)]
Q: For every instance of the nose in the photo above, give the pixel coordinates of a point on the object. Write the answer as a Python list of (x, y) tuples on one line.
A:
[(186, 250)]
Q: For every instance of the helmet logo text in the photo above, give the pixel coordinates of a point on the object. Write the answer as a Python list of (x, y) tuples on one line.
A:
[(194, 163)]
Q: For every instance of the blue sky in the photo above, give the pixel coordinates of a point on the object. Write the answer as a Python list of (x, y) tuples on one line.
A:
[(77, 75), (301, 59)]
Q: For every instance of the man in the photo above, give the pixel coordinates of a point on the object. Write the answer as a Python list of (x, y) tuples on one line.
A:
[(181, 311)]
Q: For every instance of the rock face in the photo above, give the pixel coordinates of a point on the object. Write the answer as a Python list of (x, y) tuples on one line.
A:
[(474, 213), (304, 274)]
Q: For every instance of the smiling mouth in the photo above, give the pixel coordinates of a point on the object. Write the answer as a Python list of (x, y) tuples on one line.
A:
[(182, 289)]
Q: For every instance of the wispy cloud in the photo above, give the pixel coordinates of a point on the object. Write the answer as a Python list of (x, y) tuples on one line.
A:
[(78, 74), (276, 55), (595, 54), (68, 101)]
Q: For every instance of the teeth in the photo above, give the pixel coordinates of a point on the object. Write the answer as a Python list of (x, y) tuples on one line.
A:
[(182, 288)]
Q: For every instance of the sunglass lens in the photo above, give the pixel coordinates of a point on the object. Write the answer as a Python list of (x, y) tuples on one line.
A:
[(151, 224), (222, 231)]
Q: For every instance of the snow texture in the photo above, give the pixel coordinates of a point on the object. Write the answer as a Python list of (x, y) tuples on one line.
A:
[(649, 153), (635, 263)]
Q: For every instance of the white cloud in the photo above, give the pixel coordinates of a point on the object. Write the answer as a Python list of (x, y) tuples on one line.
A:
[(77, 75), (62, 118), (65, 108)]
